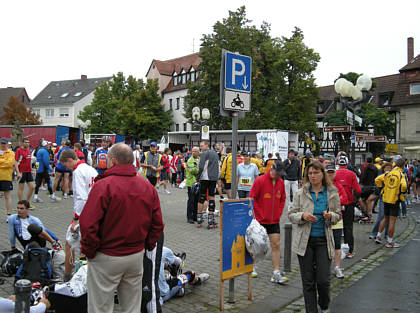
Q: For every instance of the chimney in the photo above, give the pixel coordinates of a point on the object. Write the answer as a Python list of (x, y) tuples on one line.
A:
[(410, 49), (84, 77)]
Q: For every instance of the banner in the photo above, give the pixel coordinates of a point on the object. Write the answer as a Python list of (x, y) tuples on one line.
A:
[(272, 142)]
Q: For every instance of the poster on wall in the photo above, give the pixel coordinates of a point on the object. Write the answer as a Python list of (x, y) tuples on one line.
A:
[(272, 142), (283, 144)]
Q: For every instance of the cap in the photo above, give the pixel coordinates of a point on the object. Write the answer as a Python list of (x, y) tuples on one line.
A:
[(330, 168), (279, 168), (54, 144), (44, 143), (244, 153), (153, 143), (9, 142), (342, 160), (308, 152), (4, 140), (377, 160)]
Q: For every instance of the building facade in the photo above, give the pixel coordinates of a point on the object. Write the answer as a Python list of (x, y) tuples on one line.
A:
[(173, 76), (60, 102)]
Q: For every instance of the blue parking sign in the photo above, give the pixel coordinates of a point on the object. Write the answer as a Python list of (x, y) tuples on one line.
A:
[(238, 72)]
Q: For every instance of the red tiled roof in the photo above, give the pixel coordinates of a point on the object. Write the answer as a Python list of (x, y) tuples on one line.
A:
[(412, 65), (402, 94), (168, 67)]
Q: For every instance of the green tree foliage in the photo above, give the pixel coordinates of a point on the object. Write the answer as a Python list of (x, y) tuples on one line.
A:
[(127, 106), (284, 94)]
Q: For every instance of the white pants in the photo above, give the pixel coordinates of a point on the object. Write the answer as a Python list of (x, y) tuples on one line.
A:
[(109, 273), (294, 184)]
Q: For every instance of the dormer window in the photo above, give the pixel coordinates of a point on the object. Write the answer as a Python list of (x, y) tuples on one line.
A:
[(64, 95), (415, 89), (175, 80), (192, 75)]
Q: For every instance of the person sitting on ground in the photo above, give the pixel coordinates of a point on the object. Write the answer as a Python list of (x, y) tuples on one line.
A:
[(27, 228), (8, 305), (175, 285)]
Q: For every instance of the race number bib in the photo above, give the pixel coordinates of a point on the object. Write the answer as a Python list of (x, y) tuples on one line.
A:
[(37, 165), (245, 182)]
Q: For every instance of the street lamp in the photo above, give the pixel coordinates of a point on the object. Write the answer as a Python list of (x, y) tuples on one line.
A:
[(352, 97), (84, 126), (200, 119)]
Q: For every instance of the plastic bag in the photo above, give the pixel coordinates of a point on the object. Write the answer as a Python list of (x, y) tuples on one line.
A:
[(257, 241), (344, 250), (76, 287), (57, 263), (182, 184)]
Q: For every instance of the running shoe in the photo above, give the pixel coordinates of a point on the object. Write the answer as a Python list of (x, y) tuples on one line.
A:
[(254, 274), (202, 278), (167, 192), (350, 255), (65, 196), (279, 278), (378, 240), (392, 245), (38, 200), (31, 207), (43, 188), (55, 198), (338, 272)]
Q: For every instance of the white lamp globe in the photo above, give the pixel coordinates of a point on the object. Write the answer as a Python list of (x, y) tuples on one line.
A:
[(205, 113), (338, 84), (196, 113), (347, 89), (364, 82)]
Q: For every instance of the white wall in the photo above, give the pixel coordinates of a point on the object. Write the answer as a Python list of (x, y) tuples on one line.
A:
[(79, 106), (177, 115), (56, 119)]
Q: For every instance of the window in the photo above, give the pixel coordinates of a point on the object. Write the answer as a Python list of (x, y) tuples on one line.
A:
[(64, 112), (192, 76), (177, 127), (185, 127), (77, 94), (36, 111), (170, 104), (49, 112), (415, 89), (64, 95), (23, 99), (177, 103), (184, 78), (175, 80)]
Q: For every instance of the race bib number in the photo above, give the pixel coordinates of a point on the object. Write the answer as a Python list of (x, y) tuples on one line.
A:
[(37, 165), (245, 182)]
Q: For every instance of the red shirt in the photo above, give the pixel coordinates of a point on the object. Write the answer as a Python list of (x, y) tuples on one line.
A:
[(23, 157), (80, 155), (268, 199), (122, 215), (348, 180)]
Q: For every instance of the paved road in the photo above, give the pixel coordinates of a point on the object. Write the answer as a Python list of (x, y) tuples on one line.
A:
[(202, 248), (394, 286)]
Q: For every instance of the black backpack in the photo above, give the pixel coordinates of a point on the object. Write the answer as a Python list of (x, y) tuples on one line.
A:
[(36, 266), (10, 261)]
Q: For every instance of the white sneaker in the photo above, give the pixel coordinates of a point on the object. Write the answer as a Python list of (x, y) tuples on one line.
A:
[(65, 196), (254, 274), (279, 278), (38, 200), (203, 277), (43, 188), (338, 272), (55, 198), (167, 192)]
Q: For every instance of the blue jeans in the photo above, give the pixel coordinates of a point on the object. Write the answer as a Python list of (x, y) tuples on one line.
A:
[(172, 293), (379, 219)]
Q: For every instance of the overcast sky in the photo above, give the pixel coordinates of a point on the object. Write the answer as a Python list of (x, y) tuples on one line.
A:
[(48, 40)]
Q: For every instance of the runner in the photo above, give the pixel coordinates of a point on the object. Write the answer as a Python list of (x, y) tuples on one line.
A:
[(208, 173), (61, 173), (24, 170), (269, 198), (99, 158), (83, 178), (247, 172), (7, 162), (369, 190), (164, 173), (293, 177), (152, 164), (394, 184)]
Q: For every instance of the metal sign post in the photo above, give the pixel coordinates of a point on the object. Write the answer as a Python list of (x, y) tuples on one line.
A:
[(235, 96)]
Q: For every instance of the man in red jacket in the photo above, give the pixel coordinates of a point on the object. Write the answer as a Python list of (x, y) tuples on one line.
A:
[(121, 218), (348, 180), (269, 197)]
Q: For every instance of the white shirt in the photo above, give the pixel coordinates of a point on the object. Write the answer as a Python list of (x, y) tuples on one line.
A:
[(83, 177), (25, 234), (136, 155)]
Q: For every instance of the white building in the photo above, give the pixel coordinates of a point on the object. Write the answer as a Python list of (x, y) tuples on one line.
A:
[(173, 76), (61, 101)]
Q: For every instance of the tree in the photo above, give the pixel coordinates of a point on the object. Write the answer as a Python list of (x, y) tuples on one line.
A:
[(127, 106), (284, 94), (15, 112)]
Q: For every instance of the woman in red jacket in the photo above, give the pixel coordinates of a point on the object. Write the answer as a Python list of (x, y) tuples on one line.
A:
[(269, 197)]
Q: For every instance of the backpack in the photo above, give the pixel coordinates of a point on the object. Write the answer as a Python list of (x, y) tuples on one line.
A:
[(36, 266), (10, 261)]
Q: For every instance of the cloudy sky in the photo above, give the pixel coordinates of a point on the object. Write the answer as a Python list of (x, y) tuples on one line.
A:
[(48, 40)]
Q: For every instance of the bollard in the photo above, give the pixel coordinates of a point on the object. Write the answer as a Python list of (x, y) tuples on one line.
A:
[(287, 256), (23, 289)]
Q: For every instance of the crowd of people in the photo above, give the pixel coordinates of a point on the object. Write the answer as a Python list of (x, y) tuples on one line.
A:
[(117, 221)]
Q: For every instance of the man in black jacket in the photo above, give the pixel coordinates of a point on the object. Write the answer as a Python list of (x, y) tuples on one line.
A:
[(208, 174), (293, 176), (369, 190)]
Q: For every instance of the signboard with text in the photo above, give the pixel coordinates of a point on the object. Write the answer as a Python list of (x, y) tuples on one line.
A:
[(337, 129), (371, 138)]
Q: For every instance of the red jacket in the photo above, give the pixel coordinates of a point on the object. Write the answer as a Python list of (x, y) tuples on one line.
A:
[(122, 215), (268, 199), (341, 193), (347, 179)]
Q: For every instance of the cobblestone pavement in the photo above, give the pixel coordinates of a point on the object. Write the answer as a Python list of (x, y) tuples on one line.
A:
[(202, 248)]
